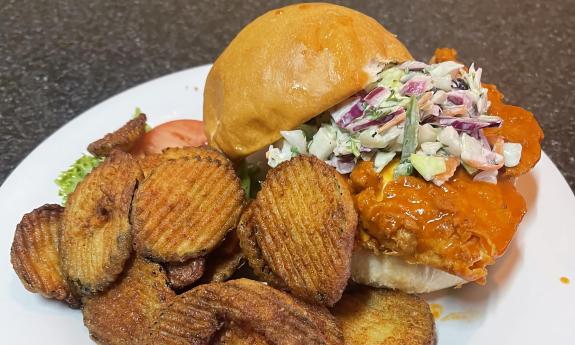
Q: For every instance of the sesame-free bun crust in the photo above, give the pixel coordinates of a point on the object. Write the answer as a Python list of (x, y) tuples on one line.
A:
[(288, 66)]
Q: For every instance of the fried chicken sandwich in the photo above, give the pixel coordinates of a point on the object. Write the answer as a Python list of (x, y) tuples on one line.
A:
[(430, 151)]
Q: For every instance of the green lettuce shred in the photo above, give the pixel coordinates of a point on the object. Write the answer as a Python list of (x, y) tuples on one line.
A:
[(137, 113), (250, 177), (69, 179)]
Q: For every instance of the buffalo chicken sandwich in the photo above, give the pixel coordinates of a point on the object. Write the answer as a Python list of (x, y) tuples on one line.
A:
[(430, 151)]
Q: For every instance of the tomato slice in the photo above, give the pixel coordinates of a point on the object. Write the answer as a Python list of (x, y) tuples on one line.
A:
[(178, 133)]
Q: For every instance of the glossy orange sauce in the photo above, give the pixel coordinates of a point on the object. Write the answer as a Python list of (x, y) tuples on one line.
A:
[(564, 280), (459, 316), (459, 227), (436, 310), (444, 54), (519, 126)]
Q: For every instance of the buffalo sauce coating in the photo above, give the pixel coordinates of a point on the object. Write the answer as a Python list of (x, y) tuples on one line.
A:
[(459, 227), (519, 126)]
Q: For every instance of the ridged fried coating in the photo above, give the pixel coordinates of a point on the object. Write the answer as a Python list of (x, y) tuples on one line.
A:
[(185, 208), (224, 260), (124, 313), (183, 274), (304, 222), (379, 316), (149, 162), (252, 252), (122, 139), (35, 257), (197, 315), (96, 235), (238, 335)]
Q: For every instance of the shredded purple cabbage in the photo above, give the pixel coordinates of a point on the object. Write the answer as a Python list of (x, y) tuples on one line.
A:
[(375, 96), (366, 123), (416, 86), (343, 164), (463, 124)]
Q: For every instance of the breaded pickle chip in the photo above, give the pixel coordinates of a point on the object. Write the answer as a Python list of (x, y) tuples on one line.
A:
[(224, 260), (370, 316), (197, 316), (124, 313), (238, 335), (185, 208), (96, 235), (35, 257), (183, 274), (251, 250), (121, 139), (304, 223), (150, 162)]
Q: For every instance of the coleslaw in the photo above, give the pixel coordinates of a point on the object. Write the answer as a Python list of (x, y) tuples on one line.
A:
[(430, 116)]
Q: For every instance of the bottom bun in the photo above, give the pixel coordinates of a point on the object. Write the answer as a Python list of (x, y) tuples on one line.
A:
[(367, 268)]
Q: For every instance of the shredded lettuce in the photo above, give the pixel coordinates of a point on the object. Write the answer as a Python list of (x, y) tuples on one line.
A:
[(69, 178), (249, 177), (137, 112)]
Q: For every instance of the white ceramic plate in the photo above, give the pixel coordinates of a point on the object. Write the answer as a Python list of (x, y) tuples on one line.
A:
[(524, 301)]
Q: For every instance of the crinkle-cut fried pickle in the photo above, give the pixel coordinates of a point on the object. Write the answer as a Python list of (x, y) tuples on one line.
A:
[(370, 316), (305, 223), (251, 250), (224, 260), (183, 274), (185, 208), (96, 235), (150, 162), (34, 254), (237, 335), (197, 315), (122, 139), (124, 313), (204, 152)]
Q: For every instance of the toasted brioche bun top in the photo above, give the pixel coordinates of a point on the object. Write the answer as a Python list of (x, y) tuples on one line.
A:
[(288, 66)]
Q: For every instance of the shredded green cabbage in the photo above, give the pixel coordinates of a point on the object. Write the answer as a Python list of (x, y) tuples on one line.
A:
[(69, 179), (405, 167)]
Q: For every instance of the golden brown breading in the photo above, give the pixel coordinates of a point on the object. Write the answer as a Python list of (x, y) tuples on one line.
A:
[(377, 316), (304, 222), (183, 274), (460, 227), (251, 250), (124, 313), (96, 235), (34, 254), (150, 162), (238, 335), (204, 152), (185, 208), (196, 316), (122, 139), (224, 260)]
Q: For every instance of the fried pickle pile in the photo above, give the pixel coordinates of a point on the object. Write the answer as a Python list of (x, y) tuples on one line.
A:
[(147, 245)]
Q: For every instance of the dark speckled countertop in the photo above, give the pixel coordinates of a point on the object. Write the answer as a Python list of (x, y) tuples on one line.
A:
[(59, 58)]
